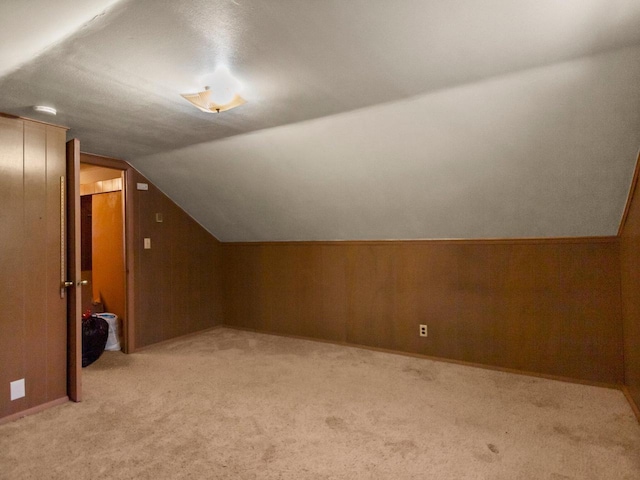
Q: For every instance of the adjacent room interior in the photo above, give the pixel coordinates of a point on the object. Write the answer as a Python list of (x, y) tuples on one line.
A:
[(103, 241), (342, 239)]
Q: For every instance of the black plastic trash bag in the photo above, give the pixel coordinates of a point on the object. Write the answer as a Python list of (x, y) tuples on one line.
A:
[(95, 331)]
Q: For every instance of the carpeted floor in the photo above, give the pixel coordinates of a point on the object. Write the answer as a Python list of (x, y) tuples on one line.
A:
[(229, 404)]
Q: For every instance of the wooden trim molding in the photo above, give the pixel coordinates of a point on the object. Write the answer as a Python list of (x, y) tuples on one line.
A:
[(102, 161), (632, 190), (17, 117), (34, 410)]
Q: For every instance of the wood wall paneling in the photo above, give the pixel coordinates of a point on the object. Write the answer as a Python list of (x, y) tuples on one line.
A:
[(153, 288), (630, 273), (176, 237), (546, 307), (178, 281)]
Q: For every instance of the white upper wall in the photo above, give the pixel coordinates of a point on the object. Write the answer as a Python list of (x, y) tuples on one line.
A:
[(549, 152)]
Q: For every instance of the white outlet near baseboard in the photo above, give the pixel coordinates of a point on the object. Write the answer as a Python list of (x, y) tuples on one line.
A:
[(17, 389), (423, 330)]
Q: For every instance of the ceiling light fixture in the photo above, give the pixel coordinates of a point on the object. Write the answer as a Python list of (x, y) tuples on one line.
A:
[(45, 109), (221, 93)]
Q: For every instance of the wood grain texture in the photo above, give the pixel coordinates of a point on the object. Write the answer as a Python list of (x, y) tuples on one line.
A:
[(12, 295), (75, 293), (178, 288), (35, 263), (33, 341), (108, 251), (546, 307), (630, 274), (56, 306)]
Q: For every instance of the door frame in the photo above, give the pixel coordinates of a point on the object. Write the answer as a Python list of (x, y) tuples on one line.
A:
[(72, 288), (128, 207)]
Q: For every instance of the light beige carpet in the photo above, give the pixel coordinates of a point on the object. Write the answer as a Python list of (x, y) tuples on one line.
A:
[(228, 404)]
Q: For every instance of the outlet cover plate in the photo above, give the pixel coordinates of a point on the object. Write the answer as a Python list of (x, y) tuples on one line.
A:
[(423, 330), (17, 389)]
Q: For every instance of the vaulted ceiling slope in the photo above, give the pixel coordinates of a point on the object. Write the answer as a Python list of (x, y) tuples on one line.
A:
[(365, 119)]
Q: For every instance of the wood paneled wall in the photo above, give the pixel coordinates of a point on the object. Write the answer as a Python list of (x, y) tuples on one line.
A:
[(33, 323), (549, 306), (177, 285), (630, 268)]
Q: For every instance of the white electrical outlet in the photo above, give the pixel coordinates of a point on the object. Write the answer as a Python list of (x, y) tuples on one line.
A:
[(147, 243), (423, 330), (17, 389)]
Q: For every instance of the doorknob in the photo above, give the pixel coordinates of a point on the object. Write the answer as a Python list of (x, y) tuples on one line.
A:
[(83, 282), (67, 284)]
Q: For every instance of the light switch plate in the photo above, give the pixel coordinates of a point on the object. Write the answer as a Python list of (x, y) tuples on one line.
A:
[(147, 243), (142, 186), (159, 217), (17, 389)]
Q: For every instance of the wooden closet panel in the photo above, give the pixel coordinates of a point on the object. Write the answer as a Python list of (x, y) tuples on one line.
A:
[(33, 339), (12, 326), (56, 306), (35, 261)]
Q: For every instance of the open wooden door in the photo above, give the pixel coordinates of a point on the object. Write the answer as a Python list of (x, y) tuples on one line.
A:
[(74, 283)]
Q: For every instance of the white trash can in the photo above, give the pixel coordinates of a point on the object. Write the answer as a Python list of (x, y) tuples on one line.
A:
[(113, 341)]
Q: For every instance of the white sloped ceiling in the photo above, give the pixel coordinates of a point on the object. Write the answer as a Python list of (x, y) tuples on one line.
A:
[(365, 119)]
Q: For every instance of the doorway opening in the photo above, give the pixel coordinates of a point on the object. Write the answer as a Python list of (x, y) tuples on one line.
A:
[(103, 244)]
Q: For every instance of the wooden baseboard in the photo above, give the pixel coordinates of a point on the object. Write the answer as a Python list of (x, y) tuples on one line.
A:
[(634, 405), (33, 410), (169, 340), (558, 378)]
